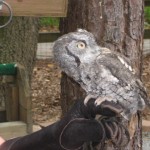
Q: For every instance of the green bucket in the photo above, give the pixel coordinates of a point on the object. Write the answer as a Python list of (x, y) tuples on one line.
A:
[(8, 69)]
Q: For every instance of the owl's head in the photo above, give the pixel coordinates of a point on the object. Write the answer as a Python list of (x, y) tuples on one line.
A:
[(74, 48), (78, 44)]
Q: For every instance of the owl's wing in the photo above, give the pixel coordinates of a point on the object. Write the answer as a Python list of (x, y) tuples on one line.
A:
[(118, 65), (123, 86)]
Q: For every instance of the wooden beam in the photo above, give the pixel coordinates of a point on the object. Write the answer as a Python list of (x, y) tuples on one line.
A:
[(45, 37), (54, 8), (24, 97), (12, 103), (2, 115), (12, 129), (147, 34), (147, 2), (8, 79)]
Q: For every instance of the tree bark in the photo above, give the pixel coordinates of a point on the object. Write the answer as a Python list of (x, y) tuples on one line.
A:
[(18, 44), (120, 29)]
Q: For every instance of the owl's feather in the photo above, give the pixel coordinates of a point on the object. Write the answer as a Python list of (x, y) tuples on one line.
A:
[(102, 73)]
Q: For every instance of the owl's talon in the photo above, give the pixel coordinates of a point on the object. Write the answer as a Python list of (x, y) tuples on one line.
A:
[(87, 98), (99, 100)]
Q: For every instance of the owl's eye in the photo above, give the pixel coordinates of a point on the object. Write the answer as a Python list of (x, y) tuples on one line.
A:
[(81, 45)]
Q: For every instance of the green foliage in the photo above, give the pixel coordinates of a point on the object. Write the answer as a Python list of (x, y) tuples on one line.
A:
[(147, 14), (48, 21)]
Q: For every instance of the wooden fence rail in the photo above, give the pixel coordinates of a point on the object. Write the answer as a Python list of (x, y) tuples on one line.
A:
[(147, 2), (147, 34), (51, 37)]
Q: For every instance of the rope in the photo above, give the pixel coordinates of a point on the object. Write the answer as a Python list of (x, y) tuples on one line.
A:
[(10, 12)]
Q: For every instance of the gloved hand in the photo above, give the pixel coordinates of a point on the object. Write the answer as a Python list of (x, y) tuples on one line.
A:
[(83, 127), (111, 129), (72, 131)]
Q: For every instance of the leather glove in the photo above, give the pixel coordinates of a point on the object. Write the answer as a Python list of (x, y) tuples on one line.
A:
[(71, 132)]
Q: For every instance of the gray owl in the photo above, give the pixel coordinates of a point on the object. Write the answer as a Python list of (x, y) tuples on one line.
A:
[(102, 73)]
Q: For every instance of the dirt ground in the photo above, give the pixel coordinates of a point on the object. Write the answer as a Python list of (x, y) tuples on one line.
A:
[(46, 90)]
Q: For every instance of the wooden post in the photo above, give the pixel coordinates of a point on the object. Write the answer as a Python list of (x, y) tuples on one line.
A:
[(2, 115), (25, 114), (18, 105), (12, 102), (11, 106)]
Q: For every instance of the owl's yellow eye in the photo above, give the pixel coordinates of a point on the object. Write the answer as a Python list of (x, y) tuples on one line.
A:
[(81, 45)]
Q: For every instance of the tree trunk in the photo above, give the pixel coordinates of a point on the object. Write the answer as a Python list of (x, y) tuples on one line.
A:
[(18, 43), (117, 25)]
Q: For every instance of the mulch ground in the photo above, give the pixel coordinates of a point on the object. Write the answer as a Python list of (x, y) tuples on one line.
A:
[(46, 91)]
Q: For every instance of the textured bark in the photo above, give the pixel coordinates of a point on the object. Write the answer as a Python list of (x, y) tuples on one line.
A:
[(120, 29), (18, 43)]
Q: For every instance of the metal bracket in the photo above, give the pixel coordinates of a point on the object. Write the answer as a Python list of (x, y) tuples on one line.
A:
[(2, 2)]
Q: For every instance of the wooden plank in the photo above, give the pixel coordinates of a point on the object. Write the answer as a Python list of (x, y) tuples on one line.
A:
[(51, 37), (146, 48), (8, 79), (12, 129), (147, 34), (48, 37), (7, 103), (147, 2), (24, 97), (2, 115), (12, 103), (15, 103), (54, 8)]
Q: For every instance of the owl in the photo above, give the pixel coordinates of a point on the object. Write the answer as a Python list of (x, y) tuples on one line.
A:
[(102, 73)]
